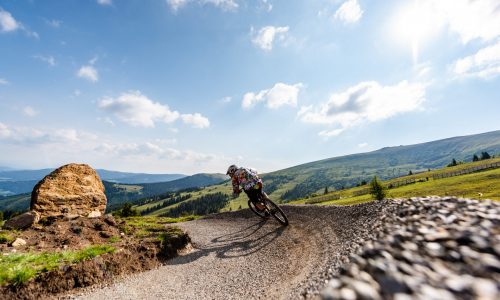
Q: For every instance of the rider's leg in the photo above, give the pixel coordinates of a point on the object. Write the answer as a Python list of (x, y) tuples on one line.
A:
[(254, 195)]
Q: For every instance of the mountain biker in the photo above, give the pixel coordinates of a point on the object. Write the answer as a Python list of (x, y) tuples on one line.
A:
[(250, 181)]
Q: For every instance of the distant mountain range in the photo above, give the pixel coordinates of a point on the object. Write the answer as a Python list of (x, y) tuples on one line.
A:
[(13, 182), (7, 174), (333, 173), (119, 193)]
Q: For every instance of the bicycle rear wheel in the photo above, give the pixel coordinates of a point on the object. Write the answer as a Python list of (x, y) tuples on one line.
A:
[(276, 212), (259, 213)]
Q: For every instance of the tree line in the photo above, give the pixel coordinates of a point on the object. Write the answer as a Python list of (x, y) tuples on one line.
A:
[(165, 203), (207, 204), (484, 155)]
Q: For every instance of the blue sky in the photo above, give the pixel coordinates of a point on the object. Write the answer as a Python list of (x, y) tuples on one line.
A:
[(190, 86)]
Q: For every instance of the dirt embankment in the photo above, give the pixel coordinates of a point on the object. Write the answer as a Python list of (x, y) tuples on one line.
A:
[(131, 253)]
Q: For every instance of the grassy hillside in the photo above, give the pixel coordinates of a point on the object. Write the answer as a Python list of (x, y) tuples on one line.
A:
[(483, 184), (347, 171), (15, 203), (339, 173)]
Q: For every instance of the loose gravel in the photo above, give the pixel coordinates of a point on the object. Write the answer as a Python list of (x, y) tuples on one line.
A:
[(430, 248), (397, 249)]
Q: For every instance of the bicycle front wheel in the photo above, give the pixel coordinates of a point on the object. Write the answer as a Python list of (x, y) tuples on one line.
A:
[(276, 212)]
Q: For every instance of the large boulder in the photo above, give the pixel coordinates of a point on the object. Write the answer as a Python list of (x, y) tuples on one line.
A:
[(22, 221), (71, 189)]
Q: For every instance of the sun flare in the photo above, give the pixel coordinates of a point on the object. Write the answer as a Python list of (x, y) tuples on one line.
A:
[(414, 25)]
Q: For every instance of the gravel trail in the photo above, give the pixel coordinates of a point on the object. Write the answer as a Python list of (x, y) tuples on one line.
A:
[(419, 248), (239, 256)]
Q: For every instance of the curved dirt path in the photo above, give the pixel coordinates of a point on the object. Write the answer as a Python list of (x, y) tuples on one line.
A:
[(239, 256)]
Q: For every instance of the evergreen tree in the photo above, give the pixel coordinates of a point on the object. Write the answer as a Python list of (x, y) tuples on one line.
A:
[(326, 190), (475, 158), (377, 190), (410, 173), (485, 155), (453, 163), (128, 211)]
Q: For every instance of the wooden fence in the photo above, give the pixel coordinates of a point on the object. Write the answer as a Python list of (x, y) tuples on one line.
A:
[(467, 171), (324, 198)]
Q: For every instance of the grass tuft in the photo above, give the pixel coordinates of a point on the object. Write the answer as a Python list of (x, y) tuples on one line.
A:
[(6, 238), (20, 268)]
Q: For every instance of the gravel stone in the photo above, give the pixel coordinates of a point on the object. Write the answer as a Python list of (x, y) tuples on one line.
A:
[(418, 248)]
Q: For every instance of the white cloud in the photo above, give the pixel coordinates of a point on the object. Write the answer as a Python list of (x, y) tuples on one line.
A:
[(484, 64), (30, 111), (224, 4), (48, 59), (362, 145), (3, 81), (54, 23), (138, 110), (50, 147), (471, 19), (266, 5), (176, 4), (267, 35), (107, 120), (196, 120), (349, 12), (4, 131), (226, 99), (30, 136), (105, 2), (279, 95), (93, 60), (330, 133), (88, 72), (363, 103), (7, 22), (150, 149), (229, 5)]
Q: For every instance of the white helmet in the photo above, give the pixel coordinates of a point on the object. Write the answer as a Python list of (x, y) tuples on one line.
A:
[(231, 170)]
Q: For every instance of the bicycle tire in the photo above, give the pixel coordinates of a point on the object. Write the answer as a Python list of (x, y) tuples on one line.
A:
[(276, 212), (261, 214)]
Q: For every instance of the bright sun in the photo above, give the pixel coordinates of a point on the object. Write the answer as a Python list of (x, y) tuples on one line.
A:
[(414, 25)]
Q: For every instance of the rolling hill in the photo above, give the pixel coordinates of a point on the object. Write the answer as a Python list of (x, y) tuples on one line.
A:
[(118, 193), (13, 182), (349, 171), (311, 178)]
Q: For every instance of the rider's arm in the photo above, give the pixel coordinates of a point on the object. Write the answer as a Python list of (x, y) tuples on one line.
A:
[(236, 185)]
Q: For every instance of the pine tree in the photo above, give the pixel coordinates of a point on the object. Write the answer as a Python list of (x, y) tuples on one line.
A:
[(485, 155), (326, 190), (377, 190), (128, 211), (475, 158), (453, 163), (410, 173)]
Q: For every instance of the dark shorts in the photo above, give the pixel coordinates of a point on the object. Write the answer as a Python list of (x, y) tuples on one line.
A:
[(254, 194)]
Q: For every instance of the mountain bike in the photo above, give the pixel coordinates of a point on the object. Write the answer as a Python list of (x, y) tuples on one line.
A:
[(271, 209)]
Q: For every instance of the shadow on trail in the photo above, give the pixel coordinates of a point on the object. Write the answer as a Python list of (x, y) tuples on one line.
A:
[(240, 243)]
